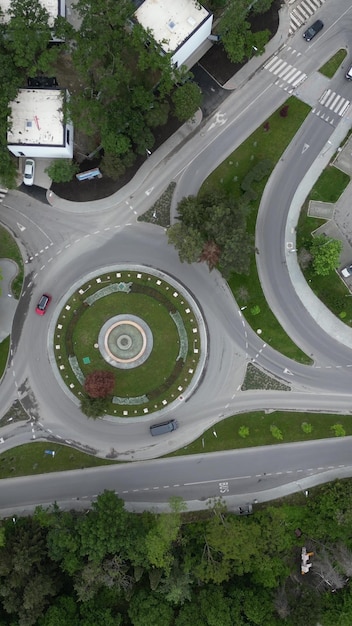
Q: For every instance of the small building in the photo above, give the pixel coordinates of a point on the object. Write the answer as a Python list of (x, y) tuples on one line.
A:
[(179, 26), (37, 126), (54, 8)]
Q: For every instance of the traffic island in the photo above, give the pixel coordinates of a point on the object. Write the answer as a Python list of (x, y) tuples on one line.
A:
[(138, 324)]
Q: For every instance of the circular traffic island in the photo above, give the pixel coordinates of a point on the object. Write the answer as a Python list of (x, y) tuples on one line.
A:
[(139, 324)]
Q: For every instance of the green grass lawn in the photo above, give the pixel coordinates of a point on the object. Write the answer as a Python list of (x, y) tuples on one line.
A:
[(31, 459), (163, 376), (4, 351), (260, 145), (10, 250), (331, 67), (331, 290), (259, 430), (330, 185)]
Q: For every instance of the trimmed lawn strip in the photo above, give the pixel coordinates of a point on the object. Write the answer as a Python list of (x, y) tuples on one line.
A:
[(259, 424), (144, 379), (4, 352), (333, 64), (31, 459), (331, 290), (331, 183), (262, 144), (10, 250)]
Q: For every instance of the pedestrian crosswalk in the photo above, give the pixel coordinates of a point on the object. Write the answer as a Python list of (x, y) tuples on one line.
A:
[(330, 106), (288, 77), (302, 13), (3, 192)]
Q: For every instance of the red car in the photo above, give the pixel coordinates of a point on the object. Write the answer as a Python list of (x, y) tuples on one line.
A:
[(43, 304)]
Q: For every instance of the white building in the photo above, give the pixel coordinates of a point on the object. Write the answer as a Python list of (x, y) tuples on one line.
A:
[(37, 127), (179, 26), (54, 8)]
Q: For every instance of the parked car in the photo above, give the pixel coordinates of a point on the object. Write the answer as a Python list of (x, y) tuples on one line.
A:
[(29, 171), (164, 428), (43, 304), (313, 30), (349, 74), (347, 271)]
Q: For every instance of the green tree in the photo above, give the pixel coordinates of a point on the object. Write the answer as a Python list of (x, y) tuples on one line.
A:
[(149, 609), (187, 241), (162, 537), (187, 100), (28, 579), (93, 407), (326, 254), (28, 33), (105, 531), (62, 170)]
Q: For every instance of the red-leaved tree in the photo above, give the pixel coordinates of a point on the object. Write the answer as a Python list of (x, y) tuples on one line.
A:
[(99, 384)]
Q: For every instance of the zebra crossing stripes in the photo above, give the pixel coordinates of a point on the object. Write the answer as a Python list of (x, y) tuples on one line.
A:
[(3, 192), (288, 76), (331, 100), (302, 13), (331, 105)]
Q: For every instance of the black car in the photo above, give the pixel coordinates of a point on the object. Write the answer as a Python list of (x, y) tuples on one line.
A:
[(313, 30)]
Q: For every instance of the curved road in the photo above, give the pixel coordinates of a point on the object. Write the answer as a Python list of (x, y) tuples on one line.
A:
[(61, 248)]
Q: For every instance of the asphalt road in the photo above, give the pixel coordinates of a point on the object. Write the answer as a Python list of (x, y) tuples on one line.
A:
[(61, 247)]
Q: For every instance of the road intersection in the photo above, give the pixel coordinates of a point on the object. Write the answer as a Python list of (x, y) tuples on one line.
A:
[(63, 242)]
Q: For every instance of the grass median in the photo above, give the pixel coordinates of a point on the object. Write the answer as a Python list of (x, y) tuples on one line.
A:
[(330, 289), (269, 141)]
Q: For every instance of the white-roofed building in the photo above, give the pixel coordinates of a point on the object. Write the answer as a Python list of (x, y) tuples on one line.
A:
[(54, 8), (179, 26), (37, 125)]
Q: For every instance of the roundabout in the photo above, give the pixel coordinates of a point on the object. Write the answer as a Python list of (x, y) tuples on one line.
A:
[(139, 324)]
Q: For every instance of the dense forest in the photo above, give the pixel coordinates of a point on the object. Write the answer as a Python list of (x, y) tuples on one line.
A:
[(111, 567)]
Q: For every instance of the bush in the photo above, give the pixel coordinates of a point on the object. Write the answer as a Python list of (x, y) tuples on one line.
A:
[(243, 431), (255, 310), (338, 430), (62, 170), (307, 428), (93, 407), (99, 384), (276, 432)]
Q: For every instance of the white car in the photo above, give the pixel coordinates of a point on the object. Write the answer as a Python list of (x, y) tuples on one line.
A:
[(347, 271), (29, 170)]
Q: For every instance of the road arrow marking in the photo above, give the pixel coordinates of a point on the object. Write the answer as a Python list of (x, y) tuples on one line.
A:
[(22, 228), (305, 147), (286, 371), (149, 191)]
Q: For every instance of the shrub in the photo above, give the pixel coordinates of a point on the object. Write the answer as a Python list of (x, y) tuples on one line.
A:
[(62, 170), (276, 432), (255, 310), (338, 430), (93, 407), (307, 428), (243, 431), (99, 384)]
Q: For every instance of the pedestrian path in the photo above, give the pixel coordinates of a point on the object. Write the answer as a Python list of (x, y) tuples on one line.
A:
[(331, 106), (3, 192), (288, 76), (302, 13)]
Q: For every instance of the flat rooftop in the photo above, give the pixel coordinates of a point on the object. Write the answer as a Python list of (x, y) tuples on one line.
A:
[(36, 118), (171, 20), (52, 6)]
